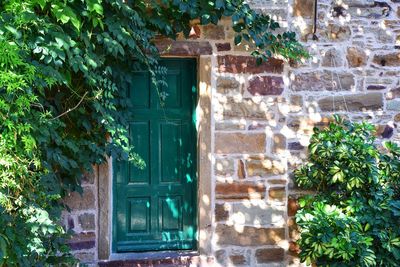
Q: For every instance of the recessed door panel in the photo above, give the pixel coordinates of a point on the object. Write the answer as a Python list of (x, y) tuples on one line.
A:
[(140, 138), (171, 151), (138, 215), (171, 213), (138, 93), (171, 96)]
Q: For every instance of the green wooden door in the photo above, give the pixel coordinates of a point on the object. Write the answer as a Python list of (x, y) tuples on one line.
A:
[(155, 208)]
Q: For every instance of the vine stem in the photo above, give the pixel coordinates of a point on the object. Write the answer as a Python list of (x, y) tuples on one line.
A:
[(71, 109)]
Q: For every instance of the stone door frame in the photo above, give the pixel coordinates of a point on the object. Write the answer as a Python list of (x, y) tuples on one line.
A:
[(178, 49)]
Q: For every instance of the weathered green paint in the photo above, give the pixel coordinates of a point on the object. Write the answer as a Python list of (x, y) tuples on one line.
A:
[(155, 208)]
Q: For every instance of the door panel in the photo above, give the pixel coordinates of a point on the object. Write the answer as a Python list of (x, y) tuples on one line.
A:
[(171, 151), (138, 215), (139, 132), (171, 213), (155, 207), (138, 95), (173, 99)]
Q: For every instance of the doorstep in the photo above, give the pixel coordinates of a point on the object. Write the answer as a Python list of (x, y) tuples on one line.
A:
[(178, 262), (155, 260)]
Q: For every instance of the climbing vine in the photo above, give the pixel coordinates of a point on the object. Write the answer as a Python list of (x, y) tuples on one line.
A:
[(64, 71)]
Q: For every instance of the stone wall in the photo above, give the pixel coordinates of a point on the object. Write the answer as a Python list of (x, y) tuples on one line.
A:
[(263, 116), (82, 219)]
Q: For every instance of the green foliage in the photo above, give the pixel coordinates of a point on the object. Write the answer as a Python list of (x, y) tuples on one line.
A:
[(25, 200), (64, 75), (353, 218)]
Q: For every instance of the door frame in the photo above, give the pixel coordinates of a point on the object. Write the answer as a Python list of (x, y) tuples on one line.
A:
[(205, 182)]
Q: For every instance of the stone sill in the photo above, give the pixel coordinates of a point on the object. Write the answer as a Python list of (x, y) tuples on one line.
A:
[(157, 258)]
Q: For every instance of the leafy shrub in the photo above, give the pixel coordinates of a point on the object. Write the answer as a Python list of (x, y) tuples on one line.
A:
[(354, 216)]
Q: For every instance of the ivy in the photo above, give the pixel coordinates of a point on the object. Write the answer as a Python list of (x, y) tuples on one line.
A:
[(353, 218), (64, 73)]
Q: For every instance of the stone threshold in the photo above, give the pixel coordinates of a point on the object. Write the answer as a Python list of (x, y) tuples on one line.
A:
[(153, 259), (178, 262)]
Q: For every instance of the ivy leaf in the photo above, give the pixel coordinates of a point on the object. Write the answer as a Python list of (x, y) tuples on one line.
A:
[(95, 5), (42, 3), (238, 39), (74, 19)]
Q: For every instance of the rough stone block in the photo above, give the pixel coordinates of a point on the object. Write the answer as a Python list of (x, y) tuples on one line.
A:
[(268, 255), (332, 58), (368, 9), (393, 104), (221, 257), (247, 64), (292, 206), (221, 213), (85, 257), (323, 80), (239, 257), (247, 108), (213, 32), (296, 103), (303, 8), (240, 190), (393, 93), (223, 47), (277, 194), (357, 102), (294, 231), (77, 202), (226, 125), (294, 249), (183, 48), (226, 85), (231, 143), (304, 124), (241, 170), (295, 146), (390, 60), (356, 3), (82, 241), (224, 167), (356, 57), (386, 80), (278, 143), (257, 214), (248, 236), (266, 85), (336, 33), (382, 36), (86, 221), (259, 166)]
